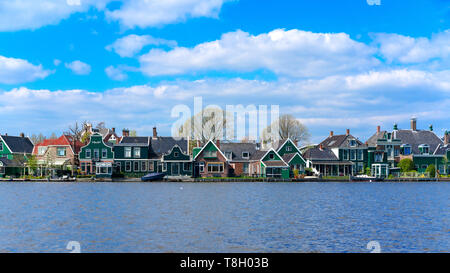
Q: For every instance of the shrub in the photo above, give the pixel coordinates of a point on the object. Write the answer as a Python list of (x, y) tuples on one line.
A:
[(431, 169), (406, 165)]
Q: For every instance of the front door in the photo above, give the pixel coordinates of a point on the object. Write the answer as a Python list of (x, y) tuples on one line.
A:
[(175, 169)]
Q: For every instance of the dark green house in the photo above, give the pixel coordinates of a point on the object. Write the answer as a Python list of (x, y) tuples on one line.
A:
[(177, 162), (97, 157), (132, 156), (292, 155), (14, 153), (269, 164)]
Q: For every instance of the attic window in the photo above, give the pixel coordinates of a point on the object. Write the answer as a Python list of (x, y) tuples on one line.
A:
[(352, 143), (406, 149), (271, 156), (424, 149), (288, 149), (175, 154), (245, 155)]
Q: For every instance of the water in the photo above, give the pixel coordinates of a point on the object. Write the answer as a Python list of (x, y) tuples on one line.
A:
[(224, 217)]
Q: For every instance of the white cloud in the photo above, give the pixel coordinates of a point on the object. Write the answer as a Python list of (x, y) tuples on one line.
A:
[(14, 71), (149, 13), (132, 44), (290, 53), (409, 50), (79, 68), (116, 74), (359, 102), (32, 14)]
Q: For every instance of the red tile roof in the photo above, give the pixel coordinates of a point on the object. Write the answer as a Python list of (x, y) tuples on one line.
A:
[(64, 140)]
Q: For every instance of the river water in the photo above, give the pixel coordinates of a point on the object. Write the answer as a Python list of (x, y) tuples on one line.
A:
[(225, 217)]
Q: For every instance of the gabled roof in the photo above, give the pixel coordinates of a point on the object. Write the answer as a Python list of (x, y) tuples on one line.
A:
[(284, 142), (339, 141), (9, 163), (110, 134), (418, 137), (162, 145), (260, 155), (288, 157), (64, 140), (237, 149), (214, 146), (134, 141), (316, 153), (17, 144), (372, 141)]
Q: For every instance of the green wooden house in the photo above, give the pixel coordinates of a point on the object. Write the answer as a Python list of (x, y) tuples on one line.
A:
[(97, 157), (14, 153), (132, 156), (210, 161), (292, 155), (269, 164), (177, 162)]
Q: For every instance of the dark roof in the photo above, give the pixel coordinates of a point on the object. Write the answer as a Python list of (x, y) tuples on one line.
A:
[(316, 153), (163, 145), (340, 141), (416, 138), (9, 163), (442, 149), (372, 141), (258, 155), (288, 157), (277, 163), (134, 141), (19, 144), (237, 149)]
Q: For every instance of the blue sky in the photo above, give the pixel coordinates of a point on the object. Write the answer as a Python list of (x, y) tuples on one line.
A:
[(332, 64)]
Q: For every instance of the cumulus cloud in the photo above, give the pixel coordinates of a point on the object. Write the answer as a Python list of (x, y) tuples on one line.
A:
[(79, 67), (132, 44), (359, 102), (409, 50), (115, 73), (134, 13), (289, 53), (32, 14), (14, 71)]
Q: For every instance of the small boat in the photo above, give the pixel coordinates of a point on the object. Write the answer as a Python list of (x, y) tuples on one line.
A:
[(153, 177), (366, 178)]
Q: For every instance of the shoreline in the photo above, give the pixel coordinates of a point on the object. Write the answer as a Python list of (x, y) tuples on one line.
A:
[(231, 180)]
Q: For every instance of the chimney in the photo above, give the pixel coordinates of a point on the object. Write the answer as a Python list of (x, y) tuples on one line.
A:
[(321, 147), (414, 124), (218, 143), (447, 138), (22, 135), (198, 143), (113, 130), (331, 133), (296, 143), (125, 133), (155, 133), (378, 129), (348, 132)]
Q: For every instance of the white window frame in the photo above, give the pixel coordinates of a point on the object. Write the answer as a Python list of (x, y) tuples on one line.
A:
[(128, 164), (137, 152), (96, 151), (136, 170), (1, 146), (125, 152), (88, 153), (248, 155), (143, 166), (188, 164), (105, 151), (61, 149), (201, 167)]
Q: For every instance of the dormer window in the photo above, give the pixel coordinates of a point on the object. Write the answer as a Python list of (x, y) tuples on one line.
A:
[(406, 149), (424, 149), (229, 155), (352, 143), (246, 155)]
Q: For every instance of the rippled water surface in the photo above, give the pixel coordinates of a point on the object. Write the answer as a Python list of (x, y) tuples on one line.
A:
[(224, 217)]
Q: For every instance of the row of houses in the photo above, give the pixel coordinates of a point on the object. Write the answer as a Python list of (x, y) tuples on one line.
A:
[(105, 154)]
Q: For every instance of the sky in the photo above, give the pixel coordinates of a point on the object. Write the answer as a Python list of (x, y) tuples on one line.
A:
[(332, 64)]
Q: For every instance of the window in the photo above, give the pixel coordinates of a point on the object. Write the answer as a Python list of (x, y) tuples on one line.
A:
[(118, 166), (352, 143), (345, 154), (61, 151), (406, 150), (211, 154), (127, 152), (441, 169), (88, 153), (176, 154), (201, 167), (215, 167), (424, 167), (271, 156), (186, 166), (245, 168), (396, 152), (288, 149), (137, 152), (128, 166), (352, 154), (41, 150), (246, 155), (104, 153), (144, 166), (229, 155), (1, 146), (96, 154), (164, 167), (136, 166), (424, 149), (150, 166), (378, 157), (83, 167), (360, 167), (360, 154)]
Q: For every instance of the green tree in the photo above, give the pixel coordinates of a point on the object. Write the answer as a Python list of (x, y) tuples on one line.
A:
[(32, 163), (431, 169), (406, 165), (86, 136)]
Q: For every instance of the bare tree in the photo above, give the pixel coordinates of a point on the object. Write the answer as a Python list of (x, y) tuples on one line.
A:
[(37, 138), (76, 134), (207, 125), (288, 127)]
